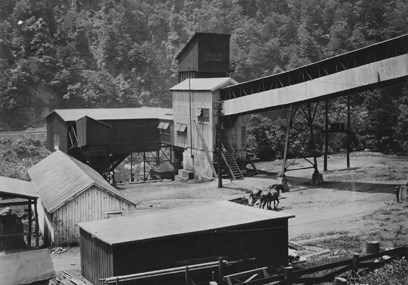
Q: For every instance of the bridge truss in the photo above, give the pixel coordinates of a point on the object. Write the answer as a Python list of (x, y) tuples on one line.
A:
[(301, 91)]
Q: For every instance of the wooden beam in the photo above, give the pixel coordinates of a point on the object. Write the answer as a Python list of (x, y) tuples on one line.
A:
[(288, 126), (37, 231), (326, 134), (207, 153), (30, 222)]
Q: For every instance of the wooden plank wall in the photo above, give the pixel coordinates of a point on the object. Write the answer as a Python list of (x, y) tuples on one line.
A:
[(88, 206), (181, 104), (96, 258), (55, 125), (266, 241)]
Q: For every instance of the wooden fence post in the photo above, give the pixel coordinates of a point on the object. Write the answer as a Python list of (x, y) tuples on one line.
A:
[(187, 276), (356, 256), (288, 275), (220, 270)]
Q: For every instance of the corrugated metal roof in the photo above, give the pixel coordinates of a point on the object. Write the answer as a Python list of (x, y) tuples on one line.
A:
[(204, 84), (179, 221), (17, 188), (59, 178), (115, 113)]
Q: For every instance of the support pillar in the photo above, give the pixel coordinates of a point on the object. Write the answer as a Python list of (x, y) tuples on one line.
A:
[(30, 223), (326, 134), (348, 132), (285, 152), (144, 166), (317, 178), (219, 144), (37, 231)]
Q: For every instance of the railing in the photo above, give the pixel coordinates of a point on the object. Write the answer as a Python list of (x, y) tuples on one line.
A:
[(220, 265), (340, 267)]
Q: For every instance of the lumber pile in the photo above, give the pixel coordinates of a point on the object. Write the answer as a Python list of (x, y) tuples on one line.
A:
[(65, 278)]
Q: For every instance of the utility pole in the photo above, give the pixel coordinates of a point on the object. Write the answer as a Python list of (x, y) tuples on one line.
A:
[(348, 131), (219, 137)]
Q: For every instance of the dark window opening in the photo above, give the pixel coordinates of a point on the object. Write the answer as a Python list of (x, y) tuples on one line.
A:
[(204, 115)]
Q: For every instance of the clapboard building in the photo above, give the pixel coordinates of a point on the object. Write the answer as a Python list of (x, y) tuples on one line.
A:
[(71, 192)]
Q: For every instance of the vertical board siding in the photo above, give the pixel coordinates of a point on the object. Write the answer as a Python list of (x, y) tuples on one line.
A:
[(96, 258), (55, 125), (266, 241), (91, 205), (181, 104)]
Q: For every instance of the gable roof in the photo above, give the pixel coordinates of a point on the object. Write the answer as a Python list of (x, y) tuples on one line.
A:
[(59, 178), (17, 188), (114, 113), (204, 84)]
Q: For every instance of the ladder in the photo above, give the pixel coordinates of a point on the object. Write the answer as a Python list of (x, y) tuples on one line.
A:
[(232, 164)]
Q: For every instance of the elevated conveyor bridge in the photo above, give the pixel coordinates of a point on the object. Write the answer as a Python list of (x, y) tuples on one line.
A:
[(381, 63), (299, 91)]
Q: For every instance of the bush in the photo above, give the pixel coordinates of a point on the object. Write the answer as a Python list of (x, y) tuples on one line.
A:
[(395, 273)]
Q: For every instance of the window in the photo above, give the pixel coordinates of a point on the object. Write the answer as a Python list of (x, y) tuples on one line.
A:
[(181, 128), (204, 115), (114, 213), (164, 128)]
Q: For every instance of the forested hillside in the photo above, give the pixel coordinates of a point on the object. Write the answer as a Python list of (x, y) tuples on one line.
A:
[(111, 53)]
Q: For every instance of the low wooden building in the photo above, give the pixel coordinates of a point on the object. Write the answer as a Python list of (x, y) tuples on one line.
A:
[(168, 238), (71, 192)]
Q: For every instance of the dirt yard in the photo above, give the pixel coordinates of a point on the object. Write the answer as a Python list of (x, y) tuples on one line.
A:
[(352, 207)]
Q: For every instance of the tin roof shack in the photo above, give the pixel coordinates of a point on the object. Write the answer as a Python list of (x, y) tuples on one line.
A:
[(205, 55), (195, 123), (169, 238), (104, 137), (17, 193), (72, 192)]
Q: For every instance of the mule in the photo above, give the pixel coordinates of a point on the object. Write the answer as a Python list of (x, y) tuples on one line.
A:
[(271, 194), (254, 196)]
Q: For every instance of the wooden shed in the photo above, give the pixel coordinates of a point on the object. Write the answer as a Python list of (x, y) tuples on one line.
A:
[(72, 192), (169, 238)]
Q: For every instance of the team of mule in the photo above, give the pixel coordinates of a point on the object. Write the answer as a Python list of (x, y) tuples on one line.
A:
[(267, 196)]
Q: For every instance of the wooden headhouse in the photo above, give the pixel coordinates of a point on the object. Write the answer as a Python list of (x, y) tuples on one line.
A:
[(203, 72), (195, 122), (205, 55)]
